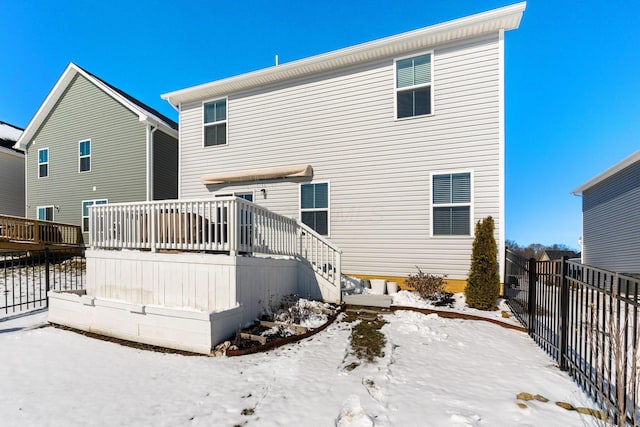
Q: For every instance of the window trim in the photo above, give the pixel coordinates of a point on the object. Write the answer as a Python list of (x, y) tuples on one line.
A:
[(82, 210), (396, 90), (471, 204), (53, 212), (80, 157), (226, 121), (44, 163), (328, 208)]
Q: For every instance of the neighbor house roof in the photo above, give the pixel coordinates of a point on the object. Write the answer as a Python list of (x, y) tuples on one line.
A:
[(635, 157), (505, 18), (557, 254), (144, 112), (9, 134)]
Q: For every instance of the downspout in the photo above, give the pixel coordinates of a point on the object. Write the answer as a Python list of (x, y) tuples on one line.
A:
[(501, 159), (150, 132)]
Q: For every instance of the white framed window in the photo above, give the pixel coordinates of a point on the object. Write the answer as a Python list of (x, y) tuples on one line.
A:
[(45, 213), (451, 204), (84, 156), (245, 195), (314, 206), (414, 86), (215, 122), (85, 211), (43, 162)]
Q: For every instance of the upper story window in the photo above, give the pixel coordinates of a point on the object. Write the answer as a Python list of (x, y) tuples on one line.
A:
[(84, 149), (43, 162), (314, 206), (45, 213), (451, 195), (413, 86), (215, 122)]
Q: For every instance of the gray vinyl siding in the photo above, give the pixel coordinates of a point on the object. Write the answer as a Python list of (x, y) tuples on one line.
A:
[(11, 184), (343, 124), (118, 154), (611, 222), (165, 166)]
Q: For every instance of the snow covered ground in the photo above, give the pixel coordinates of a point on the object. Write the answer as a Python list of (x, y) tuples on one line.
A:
[(435, 372)]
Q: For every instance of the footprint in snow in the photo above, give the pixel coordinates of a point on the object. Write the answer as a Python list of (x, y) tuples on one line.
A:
[(461, 420), (373, 389), (352, 415)]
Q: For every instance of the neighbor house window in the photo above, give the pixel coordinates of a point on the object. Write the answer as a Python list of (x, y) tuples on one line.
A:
[(85, 212), (45, 213), (43, 162), (413, 86), (85, 155), (451, 195), (314, 206), (215, 122)]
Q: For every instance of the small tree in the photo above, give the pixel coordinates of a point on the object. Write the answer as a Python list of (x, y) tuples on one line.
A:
[(483, 283)]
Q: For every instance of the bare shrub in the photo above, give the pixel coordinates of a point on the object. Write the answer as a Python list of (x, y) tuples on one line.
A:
[(425, 284)]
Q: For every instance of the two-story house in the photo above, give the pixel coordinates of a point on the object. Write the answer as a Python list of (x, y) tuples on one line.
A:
[(91, 143), (392, 149), (368, 161), (11, 172)]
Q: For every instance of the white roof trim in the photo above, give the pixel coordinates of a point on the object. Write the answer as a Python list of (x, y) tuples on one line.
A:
[(59, 88), (505, 18), (635, 157)]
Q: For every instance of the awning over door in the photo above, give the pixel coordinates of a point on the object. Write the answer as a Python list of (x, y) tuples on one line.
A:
[(297, 171)]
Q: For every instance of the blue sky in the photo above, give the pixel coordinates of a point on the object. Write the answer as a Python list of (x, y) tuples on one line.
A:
[(572, 72)]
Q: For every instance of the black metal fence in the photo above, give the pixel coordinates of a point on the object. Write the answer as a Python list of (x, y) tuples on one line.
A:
[(27, 276), (587, 320)]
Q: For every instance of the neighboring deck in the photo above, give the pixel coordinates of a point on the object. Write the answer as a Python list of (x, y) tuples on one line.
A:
[(17, 233)]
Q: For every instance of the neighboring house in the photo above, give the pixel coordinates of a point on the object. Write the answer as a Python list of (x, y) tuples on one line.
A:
[(392, 149), (11, 172), (90, 143), (553, 255), (611, 217)]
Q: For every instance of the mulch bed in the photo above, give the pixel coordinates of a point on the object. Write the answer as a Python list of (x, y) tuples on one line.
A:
[(254, 347), (454, 315)]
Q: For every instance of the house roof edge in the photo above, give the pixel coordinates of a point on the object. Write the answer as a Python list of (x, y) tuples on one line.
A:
[(626, 162), (504, 18)]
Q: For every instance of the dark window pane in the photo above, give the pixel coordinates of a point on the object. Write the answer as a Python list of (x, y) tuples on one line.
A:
[(85, 224), (215, 135), (461, 187), (442, 189), (43, 156), (85, 164), (43, 170), (460, 221), (307, 196), (85, 148), (318, 221), (321, 195), (422, 101), (441, 221), (405, 104)]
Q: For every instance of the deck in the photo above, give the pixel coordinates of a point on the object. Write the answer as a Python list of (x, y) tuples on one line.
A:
[(17, 233)]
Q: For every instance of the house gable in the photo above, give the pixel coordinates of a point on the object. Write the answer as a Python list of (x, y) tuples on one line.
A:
[(118, 152)]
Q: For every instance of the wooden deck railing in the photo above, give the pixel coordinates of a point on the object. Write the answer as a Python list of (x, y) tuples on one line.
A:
[(18, 230), (224, 224)]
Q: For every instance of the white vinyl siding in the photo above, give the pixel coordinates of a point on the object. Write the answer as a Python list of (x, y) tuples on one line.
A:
[(215, 122), (45, 213), (84, 155), (43, 163), (451, 204), (342, 123), (414, 91)]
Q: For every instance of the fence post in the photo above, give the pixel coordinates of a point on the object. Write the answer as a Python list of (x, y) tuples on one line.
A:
[(46, 275), (564, 315), (532, 295)]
